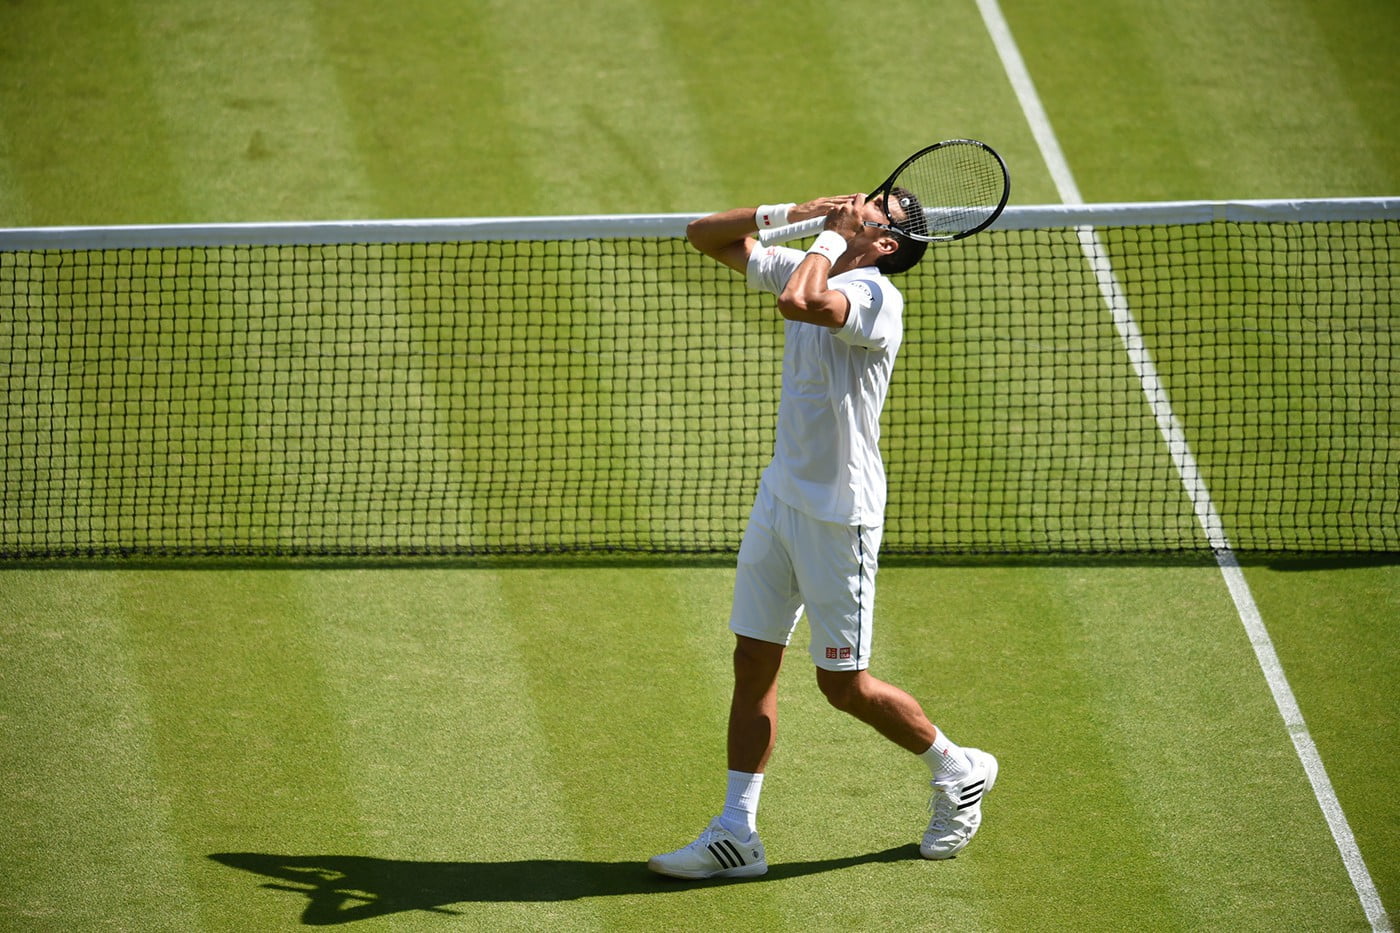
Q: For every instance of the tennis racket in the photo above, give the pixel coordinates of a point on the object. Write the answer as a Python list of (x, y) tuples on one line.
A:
[(946, 191)]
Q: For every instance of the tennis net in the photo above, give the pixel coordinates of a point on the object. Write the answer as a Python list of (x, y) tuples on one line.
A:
[(1167, 377)]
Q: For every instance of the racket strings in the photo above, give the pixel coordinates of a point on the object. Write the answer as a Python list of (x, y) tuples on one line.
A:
[(947, 192)]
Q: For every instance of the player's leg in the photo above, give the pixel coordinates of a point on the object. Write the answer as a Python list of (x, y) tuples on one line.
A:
[(753, 730), (753, 709), (889, 710), (836, 571), (765, 613)]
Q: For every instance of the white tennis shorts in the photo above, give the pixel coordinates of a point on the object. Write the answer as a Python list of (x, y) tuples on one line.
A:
[(790, 561)]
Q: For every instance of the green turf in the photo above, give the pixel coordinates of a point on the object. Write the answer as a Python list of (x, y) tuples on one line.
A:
[(1334, 625), (501, 747), (1254, 99)]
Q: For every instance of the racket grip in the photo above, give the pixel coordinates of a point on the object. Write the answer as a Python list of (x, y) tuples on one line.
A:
[(792, 231)]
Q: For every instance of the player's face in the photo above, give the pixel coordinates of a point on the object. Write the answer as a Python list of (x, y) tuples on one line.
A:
[(875, 209), (891, 209), (874, 220)]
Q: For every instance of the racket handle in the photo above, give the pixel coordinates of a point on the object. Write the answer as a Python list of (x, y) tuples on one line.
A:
[(792, 231)]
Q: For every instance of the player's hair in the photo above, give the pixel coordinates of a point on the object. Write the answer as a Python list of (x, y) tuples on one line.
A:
[(909, 251), (905, 257)]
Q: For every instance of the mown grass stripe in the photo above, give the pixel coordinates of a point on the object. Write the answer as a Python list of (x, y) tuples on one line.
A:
[(77, 143), (87, 820), (247, 97), (14, 206), (244, 730), (586, 89), (1259, 43), (446, 745)]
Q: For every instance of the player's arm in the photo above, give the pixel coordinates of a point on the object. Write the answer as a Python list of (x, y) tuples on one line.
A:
[(808, 297), (728, 236)]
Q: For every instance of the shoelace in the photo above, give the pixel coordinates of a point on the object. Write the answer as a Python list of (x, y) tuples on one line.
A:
[(944, 808), (710, 834)]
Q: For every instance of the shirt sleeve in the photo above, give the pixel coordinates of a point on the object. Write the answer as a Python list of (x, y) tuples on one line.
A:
[(874, 319), (771, 266)]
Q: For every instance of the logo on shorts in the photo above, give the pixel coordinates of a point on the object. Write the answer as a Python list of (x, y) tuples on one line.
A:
[(843, 654)]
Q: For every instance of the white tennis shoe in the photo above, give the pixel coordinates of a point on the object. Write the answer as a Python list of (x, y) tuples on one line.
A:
[(718, 853), (957, 807)]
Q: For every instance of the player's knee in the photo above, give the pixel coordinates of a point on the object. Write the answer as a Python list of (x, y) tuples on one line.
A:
[(756, 663), (842, 689)]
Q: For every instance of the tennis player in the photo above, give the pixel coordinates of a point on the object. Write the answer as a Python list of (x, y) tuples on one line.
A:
[(814, 533)]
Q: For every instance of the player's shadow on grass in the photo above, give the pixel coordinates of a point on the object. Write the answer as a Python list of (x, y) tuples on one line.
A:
[(346, 888)]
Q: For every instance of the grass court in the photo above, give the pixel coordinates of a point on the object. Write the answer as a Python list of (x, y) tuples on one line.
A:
[(500, 744)]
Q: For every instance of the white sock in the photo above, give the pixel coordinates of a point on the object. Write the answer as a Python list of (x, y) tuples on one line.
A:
[(945, 759), (740, 814)]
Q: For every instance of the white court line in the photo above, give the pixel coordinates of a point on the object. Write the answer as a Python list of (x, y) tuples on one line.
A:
[(1186, 467)]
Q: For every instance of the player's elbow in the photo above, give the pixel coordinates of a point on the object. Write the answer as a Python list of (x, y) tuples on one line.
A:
[(793, 306), (733, 253), (796, 297), (694, 232), (704, 236)]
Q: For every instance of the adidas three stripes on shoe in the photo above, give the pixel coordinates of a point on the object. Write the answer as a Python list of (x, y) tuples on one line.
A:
[(718, 853), (957, 807), (957, 814)]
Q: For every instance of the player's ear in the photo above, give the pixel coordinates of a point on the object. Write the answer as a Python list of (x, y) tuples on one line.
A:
[(886, 245)]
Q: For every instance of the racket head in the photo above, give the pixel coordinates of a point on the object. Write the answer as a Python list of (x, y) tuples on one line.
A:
[(946, 191)]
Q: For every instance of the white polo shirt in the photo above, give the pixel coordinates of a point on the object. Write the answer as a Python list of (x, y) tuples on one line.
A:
[(826, 458)]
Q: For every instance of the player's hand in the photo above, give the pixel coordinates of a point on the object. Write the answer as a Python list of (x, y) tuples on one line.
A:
[(819, 207), (845, 217)]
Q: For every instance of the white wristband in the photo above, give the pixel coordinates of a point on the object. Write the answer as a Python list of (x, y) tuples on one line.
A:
[(829, 244), (769, 216)]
